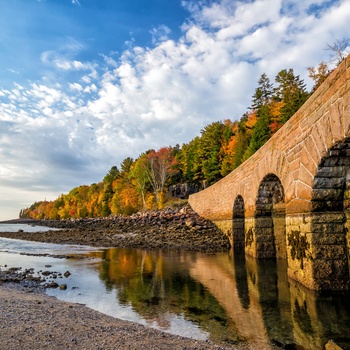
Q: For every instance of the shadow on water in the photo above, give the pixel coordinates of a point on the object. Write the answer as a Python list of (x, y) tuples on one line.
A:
[(235, 299)]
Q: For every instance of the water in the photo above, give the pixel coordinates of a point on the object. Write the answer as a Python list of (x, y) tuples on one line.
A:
[(24, 227), (223, 297)]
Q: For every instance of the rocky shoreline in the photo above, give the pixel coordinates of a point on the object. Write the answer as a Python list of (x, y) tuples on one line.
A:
[(175, 228)]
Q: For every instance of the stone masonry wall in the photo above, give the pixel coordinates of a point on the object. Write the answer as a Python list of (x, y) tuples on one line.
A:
[(292, 154), (291, 191)]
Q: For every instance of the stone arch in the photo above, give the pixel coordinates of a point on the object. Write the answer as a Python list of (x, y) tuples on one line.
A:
[(331, 180), (238, 225), (270, 223), (330, 205)]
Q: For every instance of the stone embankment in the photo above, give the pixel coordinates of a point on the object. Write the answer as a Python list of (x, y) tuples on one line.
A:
[(173, 228)]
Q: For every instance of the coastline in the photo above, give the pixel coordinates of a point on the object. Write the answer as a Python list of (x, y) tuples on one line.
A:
[(163, 229), (30, 319)]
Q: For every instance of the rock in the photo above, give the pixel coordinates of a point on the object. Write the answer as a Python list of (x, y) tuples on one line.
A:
[(190, 222), (53, 285), (67, 274), (175, 228), (63, 286), (332, 346)]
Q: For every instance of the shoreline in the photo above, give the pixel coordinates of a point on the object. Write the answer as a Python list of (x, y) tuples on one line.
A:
[(176, 229), (31, 318)]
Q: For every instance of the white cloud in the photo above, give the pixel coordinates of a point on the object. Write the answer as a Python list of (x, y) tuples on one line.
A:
[(160, 34), (75, 86)]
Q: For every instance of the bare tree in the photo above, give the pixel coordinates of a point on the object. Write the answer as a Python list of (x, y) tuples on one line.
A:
[(318, 74), (339, 50)]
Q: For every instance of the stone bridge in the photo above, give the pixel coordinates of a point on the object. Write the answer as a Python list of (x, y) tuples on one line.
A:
[(291, 199)]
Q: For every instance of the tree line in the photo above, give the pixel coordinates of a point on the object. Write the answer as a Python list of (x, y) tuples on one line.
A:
[(142, 183)]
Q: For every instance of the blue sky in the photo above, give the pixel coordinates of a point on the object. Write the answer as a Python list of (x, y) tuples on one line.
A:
[(85, 84)]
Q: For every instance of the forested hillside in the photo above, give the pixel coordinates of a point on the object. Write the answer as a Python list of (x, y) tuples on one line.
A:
[(142, 183)]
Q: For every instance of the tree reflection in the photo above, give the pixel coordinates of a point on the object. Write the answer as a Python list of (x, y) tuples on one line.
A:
[(156, 286), (233, 297)]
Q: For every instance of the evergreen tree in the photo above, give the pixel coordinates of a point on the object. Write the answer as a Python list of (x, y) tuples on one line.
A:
[(190, 161), (111, 175), (210, 143), (263, 93), (291, 90), (261, 132), (125, 166)]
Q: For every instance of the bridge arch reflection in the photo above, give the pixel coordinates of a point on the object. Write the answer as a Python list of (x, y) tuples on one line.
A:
[(238, 226)]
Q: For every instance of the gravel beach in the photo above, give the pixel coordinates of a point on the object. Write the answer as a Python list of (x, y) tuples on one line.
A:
[(32, 320), (179, 228)]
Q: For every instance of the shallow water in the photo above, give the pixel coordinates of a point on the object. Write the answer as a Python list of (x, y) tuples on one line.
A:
[(222, 297), (24, 227)]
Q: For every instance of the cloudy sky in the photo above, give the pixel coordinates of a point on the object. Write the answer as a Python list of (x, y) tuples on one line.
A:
[(87, 83)]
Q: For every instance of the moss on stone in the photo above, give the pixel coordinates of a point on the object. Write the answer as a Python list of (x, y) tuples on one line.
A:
[(299, 245)]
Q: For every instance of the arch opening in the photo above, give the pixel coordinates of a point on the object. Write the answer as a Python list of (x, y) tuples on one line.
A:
[(270, 221), (238, 224), (331, 183), (330, 223)]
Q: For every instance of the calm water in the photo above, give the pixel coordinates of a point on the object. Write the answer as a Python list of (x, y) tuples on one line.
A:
[(221, 297), (24, 227)]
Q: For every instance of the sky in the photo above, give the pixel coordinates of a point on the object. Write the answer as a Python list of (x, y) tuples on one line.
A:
[(86, 83)]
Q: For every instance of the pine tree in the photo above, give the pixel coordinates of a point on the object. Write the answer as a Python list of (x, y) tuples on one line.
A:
[(210, 151), (291, 90), (263, 93), (261, 132)]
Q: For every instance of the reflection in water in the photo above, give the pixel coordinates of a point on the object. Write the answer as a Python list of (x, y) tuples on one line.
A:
[(241, 280), (234, 298), (157, 284), (226, 297)]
